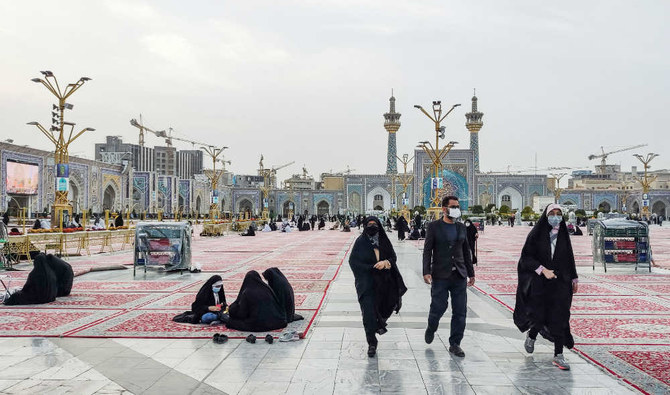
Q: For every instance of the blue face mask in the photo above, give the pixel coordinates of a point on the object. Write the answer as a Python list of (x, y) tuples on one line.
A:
[(554, 220), (216, 289)]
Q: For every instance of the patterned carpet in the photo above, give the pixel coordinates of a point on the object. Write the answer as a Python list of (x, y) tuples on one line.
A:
[(144, 308), (620, 319)]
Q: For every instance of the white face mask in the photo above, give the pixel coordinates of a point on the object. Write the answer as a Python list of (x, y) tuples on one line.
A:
[(454, 213)]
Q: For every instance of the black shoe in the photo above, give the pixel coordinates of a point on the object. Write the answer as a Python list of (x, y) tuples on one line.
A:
[(372, 350), (251, 339), (456, 350), (220, 339), (215, 338), (429, 335), (269, 338), (381, 331)]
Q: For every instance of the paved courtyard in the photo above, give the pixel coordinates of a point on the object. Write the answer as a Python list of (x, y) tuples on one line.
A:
[(114, 335)]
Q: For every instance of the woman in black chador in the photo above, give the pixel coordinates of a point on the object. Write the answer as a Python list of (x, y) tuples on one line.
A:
[(210, 301), (379, 285), (284, 291), (473, 234), (41, 285), (257, 308), (547, 280)]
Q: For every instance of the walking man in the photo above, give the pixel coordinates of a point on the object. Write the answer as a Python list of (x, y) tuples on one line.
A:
[(447, 267)]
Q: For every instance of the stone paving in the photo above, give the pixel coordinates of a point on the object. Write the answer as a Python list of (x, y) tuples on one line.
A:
[(331, 359)]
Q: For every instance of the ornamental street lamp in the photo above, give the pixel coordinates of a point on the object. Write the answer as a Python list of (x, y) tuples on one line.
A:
[(557, 190), (645, 182), (214, 176), (435, 153), (405, 179), (57, 135)]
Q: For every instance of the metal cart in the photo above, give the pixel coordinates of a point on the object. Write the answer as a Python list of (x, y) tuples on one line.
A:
[(619, 241), (163, 244)]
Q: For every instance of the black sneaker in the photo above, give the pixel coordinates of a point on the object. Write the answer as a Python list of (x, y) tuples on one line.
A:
[(220, 339), (251, 339), (429, 335), (456, 350), (372, 350), (269, 338)]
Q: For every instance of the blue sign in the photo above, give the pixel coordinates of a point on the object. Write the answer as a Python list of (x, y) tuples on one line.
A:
[(63, 170), (62, 184), (436, 183)]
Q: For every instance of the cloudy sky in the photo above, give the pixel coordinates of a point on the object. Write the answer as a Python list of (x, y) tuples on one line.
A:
[(309, 80)]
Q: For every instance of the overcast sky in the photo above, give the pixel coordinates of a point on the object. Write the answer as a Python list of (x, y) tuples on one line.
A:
[(310, 80)]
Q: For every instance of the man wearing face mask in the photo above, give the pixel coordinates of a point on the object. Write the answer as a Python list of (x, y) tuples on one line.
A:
[(447, 267)]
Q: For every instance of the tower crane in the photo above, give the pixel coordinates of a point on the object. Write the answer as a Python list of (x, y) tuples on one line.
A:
[(273, 172), (142, 128), (161, 133), (604, 155)]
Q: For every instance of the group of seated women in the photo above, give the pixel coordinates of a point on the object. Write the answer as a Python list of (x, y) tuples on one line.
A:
[(259, 306)]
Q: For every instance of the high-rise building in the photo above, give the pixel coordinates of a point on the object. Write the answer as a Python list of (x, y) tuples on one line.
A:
[(189, 163)]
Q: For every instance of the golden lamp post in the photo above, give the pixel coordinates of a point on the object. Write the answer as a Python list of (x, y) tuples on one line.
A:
[(645, 182), (214, 176), (436, 153), (61, 140), (405, 179), (557, 189)]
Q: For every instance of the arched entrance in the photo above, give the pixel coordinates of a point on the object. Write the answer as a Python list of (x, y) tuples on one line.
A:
[(355, 202), (323, 208), (109, 198), (73, 196), (198, 204), (287, 208), (659, 208), (378, 197), (636, 208), (511, 198), (378, 202), (605, 207), (245, 207)]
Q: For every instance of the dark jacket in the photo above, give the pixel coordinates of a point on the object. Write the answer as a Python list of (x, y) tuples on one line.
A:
[(534, 292), (256, 308), (205, 298), (439, 255), (64, 274), (386, 286)]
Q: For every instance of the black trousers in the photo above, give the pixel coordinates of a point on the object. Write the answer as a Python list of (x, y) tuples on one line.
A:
[(367, 303), (439, 293)]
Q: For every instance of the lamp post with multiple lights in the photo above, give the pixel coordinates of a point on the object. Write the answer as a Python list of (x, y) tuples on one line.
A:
[(57, 135), (405, 179), (214, 175), (645, 182), (435, 153)]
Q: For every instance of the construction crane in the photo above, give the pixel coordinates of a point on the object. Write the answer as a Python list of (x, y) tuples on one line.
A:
[(273, 172), (162, 133), (142, 128), (604, 155), (169, 137), (347, 172)]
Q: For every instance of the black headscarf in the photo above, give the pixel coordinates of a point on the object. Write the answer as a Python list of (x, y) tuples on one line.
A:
[(284, 291), (205, 298), (387, 286), (534, 292), (41, 285), (257, 308), (64, 274)]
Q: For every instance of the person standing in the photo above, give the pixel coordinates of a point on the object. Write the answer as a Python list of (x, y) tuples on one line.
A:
[(547, 280), (473, 235), (5, 218), (379, 285), (447, 267)]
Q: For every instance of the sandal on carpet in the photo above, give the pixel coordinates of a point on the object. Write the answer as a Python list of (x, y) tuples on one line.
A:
[(251, 339), (269, 338), (289, 336)]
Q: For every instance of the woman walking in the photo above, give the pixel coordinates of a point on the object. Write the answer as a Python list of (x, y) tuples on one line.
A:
[(547, 280), (379, 285)]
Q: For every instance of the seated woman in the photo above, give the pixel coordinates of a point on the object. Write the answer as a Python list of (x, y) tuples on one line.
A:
[(41, 285), (266, 228), (322, 223), (64, 275), (210, 302), (257, 308), (284, 291), (273, 226), (37, 224), (250, 232), (414, 234)]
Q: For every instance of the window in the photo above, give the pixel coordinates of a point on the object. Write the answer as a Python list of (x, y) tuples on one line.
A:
[(379, 197), (506, 198)]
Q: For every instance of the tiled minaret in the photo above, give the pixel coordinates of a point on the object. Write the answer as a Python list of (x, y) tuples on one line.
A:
[(474, 124), (391, 124)]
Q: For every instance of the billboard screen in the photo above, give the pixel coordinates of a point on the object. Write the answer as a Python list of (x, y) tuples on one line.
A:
[(22, 178)]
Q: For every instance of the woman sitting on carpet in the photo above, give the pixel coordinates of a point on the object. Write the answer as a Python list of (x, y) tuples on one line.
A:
[(41, 285), (210, 302), (284, 291), (257, 308)]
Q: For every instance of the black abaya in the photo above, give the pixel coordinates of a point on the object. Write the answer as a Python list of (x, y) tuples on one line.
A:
[(284, 291), (64, 274), (256, 308), (472, 240), (379, 291), (205, 298), (41, 285), (543, 304)]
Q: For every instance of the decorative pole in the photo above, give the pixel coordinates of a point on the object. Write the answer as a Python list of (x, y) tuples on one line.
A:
[(61, 142), (646, 182), (405, 179), (214, 153), (557, 190), (436, 154)]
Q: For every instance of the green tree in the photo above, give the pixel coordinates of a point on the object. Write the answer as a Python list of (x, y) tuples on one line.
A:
[(477, 209), (420, 209), (580, 212), (504, 209), (489, 208)]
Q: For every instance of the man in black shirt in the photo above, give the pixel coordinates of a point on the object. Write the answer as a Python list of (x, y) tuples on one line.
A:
[(447, 266)]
